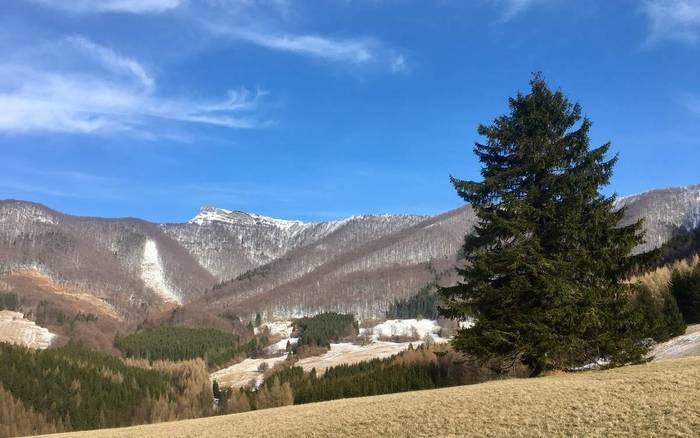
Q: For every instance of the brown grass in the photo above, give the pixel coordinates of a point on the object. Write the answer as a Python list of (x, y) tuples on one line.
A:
[(644, 400)]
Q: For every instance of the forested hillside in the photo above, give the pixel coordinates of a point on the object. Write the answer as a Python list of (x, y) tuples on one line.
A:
[(74, 388)]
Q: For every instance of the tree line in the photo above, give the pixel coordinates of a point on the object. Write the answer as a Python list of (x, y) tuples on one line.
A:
[(424, 304), (414, 369)]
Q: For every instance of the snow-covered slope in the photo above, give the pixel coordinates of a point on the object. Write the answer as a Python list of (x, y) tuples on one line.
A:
[(108, 258), (15, 329), (413, 328), (210, 215), (680, 346), (153, 275)]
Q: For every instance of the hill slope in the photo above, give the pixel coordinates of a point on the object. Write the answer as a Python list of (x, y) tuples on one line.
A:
[(644, 400)]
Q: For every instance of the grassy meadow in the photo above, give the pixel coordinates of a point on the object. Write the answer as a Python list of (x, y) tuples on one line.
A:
[(654, 399)]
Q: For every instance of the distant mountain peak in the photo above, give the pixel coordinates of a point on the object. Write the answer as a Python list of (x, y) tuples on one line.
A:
[(209, 215)]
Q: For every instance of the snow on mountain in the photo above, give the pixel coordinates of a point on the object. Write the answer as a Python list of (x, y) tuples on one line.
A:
[(153, 275), (279, 268), (229, 243), (209, 215), (665, 212)]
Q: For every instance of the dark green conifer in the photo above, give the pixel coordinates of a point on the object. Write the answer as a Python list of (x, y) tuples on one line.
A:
[(685, 288), (675, 323), (545, 263)]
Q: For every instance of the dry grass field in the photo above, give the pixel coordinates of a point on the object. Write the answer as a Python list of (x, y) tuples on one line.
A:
[(655, 399)]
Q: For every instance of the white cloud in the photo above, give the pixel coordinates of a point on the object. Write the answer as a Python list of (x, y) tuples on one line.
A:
[(677, 20), (350, 50), (268, 24), (356, 51), (259, 22), (99, 6), (115, 62), (119, 97)]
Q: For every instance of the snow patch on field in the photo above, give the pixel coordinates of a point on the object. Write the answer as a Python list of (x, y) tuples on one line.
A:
[(346, 353), (417, 328), (423, 330), (15, 329), (238, 375), (281, 328), (281, 345), (680, 346), (153, 274)]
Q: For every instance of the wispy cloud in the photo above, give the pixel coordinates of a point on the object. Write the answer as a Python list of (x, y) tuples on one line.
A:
[(677, 20), (357, 51), (118, 96), (351, 50), (259, 22), (100, 6), (115, 62), (267, 24)]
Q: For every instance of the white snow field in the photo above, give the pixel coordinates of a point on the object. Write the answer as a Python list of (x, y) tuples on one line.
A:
[(238, 375), (417, 328), (15, 329), (153, 275), (680, 346), (276, 329), (281, 328), (347, 353), (281, 345)]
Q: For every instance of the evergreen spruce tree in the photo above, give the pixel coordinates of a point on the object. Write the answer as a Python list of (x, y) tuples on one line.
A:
[(675, 323), (651, 321), (545, 263), (685, 288), (216, 390)]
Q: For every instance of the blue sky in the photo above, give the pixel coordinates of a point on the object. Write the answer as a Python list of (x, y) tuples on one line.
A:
[(316, 110)]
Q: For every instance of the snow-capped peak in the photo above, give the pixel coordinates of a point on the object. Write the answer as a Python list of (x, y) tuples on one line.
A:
[(208, 215)]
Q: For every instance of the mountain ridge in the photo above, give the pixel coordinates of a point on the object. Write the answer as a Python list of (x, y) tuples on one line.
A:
[(260, 264)]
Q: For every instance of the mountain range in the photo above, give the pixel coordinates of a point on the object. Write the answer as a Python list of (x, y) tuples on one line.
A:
[(245, 263)]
